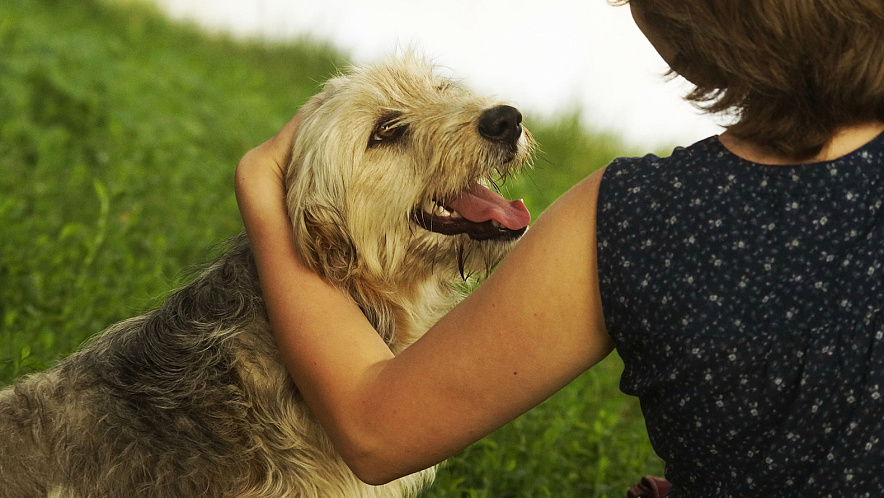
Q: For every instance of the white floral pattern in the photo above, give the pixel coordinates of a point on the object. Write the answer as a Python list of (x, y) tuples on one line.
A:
[(746, 302)]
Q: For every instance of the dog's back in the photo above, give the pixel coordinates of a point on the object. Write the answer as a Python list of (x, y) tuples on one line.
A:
[(153, 402), (187, 400)]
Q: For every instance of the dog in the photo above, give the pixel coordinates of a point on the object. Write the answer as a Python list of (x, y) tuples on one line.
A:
[(388, 193)]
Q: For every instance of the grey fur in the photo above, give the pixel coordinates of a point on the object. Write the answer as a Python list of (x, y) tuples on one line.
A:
[(191, 399)]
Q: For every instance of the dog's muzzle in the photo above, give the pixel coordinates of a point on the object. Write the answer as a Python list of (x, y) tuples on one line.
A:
[(477, 211)]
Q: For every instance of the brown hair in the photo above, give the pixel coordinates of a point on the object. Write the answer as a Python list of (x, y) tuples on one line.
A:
[(792, 72)]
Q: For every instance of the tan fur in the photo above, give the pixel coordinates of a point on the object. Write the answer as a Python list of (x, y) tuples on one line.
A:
[(192, 399)]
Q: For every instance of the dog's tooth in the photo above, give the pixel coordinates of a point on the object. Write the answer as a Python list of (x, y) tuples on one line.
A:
[(496, 224), (441, 211), (456, 215)]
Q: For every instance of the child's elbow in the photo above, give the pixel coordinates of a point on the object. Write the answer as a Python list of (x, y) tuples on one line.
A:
[(372, 474), (379, 457), (370, 466)]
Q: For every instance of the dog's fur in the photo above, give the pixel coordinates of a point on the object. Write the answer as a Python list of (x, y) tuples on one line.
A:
[(191, 399)]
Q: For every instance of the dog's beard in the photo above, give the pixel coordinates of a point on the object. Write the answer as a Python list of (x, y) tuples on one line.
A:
[(472, 256)]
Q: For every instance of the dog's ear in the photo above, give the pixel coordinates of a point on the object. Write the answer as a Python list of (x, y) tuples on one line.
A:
[(315, 195), (299, 150), (326, 243)]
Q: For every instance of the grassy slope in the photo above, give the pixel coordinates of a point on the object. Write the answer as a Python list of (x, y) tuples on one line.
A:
[(119, 132)]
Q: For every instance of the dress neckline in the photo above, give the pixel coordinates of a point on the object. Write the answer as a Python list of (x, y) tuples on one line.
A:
[(864, 148)]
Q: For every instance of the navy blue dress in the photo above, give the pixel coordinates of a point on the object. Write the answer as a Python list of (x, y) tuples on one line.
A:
[(746, 302)]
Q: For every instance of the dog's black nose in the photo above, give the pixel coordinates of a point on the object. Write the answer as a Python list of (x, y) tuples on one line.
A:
[(502, 123)]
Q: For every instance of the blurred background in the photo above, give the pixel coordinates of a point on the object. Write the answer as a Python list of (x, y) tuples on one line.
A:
[(121, 122), (549, 57)]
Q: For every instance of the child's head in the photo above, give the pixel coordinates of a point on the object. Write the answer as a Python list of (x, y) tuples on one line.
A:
[(791, 71)]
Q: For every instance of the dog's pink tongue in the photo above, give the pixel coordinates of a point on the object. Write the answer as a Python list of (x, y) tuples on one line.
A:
[(480, 204)]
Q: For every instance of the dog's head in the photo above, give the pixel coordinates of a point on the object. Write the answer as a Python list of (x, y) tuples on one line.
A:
[(393, 177)]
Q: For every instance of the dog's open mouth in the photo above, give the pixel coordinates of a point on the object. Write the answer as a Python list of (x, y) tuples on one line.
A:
[(478, 212)]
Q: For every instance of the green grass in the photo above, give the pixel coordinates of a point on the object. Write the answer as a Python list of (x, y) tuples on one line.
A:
[(119, 132)]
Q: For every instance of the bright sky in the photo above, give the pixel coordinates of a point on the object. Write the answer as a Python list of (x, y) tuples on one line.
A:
[(546, 57)]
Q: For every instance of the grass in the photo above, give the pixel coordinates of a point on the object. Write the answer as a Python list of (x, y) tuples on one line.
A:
[(119, 132)]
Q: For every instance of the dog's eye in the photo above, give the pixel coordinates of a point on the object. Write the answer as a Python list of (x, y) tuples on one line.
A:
[(387, 132)]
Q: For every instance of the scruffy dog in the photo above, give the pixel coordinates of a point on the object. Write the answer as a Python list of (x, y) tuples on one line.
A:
[(388, 196)]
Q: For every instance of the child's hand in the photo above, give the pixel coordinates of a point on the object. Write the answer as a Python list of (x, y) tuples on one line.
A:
[(261, 171), (260, 195)]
